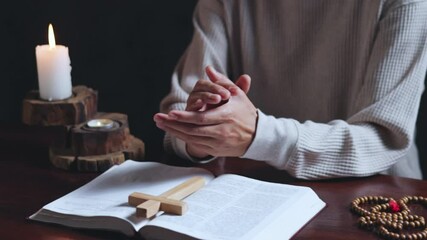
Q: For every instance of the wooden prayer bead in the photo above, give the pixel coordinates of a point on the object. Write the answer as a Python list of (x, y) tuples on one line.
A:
[(388, 220)]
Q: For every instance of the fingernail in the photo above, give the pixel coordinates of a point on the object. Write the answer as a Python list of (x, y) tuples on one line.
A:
[(233, 90), (198, 102), (224, 93)]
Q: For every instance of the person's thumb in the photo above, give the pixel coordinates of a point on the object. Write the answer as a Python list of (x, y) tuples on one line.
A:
[(244, 83)]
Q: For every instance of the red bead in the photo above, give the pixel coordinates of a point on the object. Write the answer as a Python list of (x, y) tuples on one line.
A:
[(394, 206)]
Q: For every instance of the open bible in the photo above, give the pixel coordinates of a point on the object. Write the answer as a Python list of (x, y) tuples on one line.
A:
[(227, 207)]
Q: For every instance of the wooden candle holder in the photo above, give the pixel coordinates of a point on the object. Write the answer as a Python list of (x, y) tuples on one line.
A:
[(74, 110), (87, 141), (66, 159), (80, 147)]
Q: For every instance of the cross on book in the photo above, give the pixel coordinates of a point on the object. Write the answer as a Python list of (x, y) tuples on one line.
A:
[(169, 201)]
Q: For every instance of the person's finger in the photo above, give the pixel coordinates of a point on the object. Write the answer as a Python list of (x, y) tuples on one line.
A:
[(196, 100), (219, 78), (188, 138), (195, 105), (160, 117), (211, 87), (202, 143), (211, 117), (244, 83), (190, 129)]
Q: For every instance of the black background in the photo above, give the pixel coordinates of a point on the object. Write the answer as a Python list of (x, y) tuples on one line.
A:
[(125, 49)]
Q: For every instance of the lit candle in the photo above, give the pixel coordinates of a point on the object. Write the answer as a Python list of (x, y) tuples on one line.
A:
[(54, 70)]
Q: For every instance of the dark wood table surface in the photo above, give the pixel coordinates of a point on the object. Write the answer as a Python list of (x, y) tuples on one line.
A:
[(28, 182)]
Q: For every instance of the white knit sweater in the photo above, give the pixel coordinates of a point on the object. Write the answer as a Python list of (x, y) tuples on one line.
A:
[(337, 83)]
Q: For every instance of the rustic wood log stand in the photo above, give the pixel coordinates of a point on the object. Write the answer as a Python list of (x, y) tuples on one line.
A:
[(81, 146)]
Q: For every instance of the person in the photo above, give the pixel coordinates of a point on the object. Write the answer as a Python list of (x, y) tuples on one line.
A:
[(323, 89)]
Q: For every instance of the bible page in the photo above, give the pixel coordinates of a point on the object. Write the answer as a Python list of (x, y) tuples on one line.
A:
[(102, 203), (236, 207)]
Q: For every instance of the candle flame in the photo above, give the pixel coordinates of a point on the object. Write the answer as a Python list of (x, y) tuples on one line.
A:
[(52, 42)]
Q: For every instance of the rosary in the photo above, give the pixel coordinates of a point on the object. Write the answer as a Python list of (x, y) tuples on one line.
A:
[(390, 218)]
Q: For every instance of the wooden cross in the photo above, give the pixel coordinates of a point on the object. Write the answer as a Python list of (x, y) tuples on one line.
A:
[(169, 201)]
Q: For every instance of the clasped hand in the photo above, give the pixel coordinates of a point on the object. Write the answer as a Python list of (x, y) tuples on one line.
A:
[(219, 119)]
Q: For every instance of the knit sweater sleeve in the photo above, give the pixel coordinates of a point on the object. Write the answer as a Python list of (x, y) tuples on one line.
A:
[(209, 33), (382, 125)]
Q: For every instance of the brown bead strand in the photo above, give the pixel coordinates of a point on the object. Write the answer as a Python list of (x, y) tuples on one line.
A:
[(367, 199), (388, 224), (384, 232), (402, 223)]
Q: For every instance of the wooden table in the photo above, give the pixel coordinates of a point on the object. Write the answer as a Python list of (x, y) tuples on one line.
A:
[(28, 182)]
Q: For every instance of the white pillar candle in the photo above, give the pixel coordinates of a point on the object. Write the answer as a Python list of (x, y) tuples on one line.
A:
[(54, 70)]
